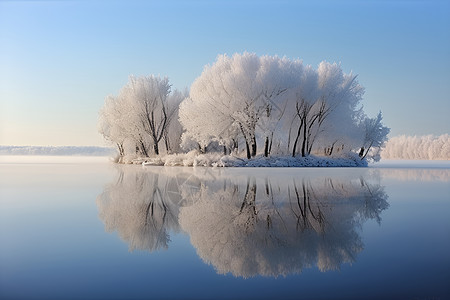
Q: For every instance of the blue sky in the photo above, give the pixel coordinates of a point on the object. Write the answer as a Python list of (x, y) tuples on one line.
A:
[(60, 59)]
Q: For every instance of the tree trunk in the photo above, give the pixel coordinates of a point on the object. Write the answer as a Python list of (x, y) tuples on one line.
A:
[(266, 147), (332, 148), (367, 150), (166, 142), (121, 150), (247, 146), (253, 146), (294, 148), (361, 152), (142, 149), (270, 144), (156, 148), (304, 141), (202, 149), (235, 146)]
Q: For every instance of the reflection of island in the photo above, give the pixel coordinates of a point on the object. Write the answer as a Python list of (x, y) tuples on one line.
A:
[(271, 229), (247, 224)]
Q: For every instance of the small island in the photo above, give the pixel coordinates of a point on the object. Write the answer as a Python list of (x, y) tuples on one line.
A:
[(246, 110)]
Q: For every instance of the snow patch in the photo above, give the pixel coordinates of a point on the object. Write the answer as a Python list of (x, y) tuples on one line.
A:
[(193, 159)]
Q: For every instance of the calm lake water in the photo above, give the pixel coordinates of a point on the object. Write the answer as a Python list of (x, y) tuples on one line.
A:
[(88, 229)]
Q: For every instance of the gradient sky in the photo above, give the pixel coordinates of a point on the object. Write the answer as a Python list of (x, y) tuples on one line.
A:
[(60, 59)]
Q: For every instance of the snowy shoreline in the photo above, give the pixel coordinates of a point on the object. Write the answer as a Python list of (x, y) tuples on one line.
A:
[(217, 160)]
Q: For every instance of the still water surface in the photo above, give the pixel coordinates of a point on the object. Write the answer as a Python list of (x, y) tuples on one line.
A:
[(94, 230)]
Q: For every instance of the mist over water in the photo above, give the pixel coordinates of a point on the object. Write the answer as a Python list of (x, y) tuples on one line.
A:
[(79, 229)]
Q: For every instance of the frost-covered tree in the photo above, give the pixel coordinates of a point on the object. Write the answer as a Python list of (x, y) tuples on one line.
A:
[(206, 123), (265, 99), (327, 106), (237, 96), (174, 130), (148, 98), (111, 124), (245, 102), (375, 136), (281, 76), (142, 116), (418, 147)]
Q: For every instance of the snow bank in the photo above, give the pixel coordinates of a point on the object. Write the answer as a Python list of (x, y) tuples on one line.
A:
[(57, 151), (193, 159)]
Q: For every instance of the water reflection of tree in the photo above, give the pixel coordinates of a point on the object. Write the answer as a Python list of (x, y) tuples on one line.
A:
[(245, 225), (277, 229), (142, 207)]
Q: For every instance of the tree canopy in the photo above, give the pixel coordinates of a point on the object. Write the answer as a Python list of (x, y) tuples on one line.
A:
[(247, 105)]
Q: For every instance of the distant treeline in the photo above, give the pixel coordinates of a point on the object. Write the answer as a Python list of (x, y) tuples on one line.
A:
[(428, 147), (57, 150)]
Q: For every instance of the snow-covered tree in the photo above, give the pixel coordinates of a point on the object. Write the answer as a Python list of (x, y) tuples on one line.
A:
[(147, 97), (237, 96), (174, 130), (266, 99), (281, 76), (111, 124), (375, 136), (418, 147), (246, 103), (142, 115), (327, 106)]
